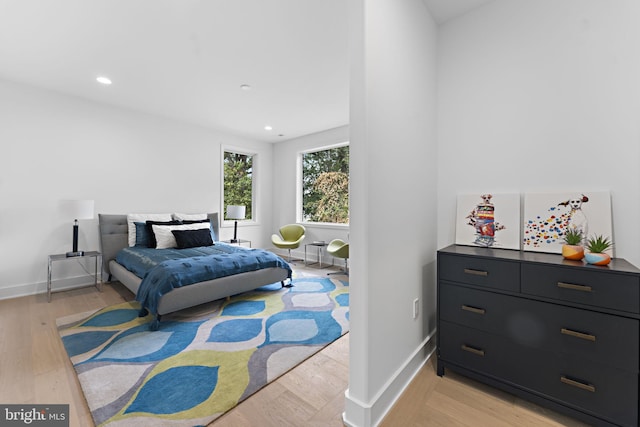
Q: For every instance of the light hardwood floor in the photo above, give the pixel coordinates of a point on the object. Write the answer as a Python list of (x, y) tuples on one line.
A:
[(454, 400), (34, 368)]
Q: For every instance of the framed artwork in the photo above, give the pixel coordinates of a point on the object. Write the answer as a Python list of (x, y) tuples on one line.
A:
[(489, 220), (547, 216)]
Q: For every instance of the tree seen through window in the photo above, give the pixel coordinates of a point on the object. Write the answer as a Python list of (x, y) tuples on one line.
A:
[(238, 181), (325, 186)]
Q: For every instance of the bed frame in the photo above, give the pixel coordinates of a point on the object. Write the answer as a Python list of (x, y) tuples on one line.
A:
[(114, 236)]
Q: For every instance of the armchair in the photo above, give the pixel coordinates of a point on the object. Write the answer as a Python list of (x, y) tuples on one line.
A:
[(339, 249), (289, 238)]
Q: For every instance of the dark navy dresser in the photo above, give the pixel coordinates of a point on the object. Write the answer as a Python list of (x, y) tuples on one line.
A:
[(562, 334)]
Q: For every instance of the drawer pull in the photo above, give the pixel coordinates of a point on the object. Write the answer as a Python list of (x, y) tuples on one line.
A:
[(476, 272), (473, 309), (571, 286), (476, 351), (577, 334), (578, 384)]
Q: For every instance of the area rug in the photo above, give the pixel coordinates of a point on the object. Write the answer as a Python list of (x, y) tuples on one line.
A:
[(203, 361)]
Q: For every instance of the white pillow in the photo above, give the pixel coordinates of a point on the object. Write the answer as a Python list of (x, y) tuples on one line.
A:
[(189, 217), (165, 238), (131, 218)]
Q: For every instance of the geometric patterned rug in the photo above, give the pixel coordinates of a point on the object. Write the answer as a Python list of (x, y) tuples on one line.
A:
[(203, 361)]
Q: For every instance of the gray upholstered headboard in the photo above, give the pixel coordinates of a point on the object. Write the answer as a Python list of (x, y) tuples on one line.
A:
[(114, 235)]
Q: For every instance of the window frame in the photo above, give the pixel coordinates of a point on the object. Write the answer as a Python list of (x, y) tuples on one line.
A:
[(300, 185), (254, 187)]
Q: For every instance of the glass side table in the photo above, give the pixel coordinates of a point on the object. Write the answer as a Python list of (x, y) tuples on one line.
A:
[(63, 257), (319, 246), (238, 242)]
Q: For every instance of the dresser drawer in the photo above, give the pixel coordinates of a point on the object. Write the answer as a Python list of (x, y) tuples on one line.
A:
[(479, 271), (479, 351), (475, 308), (591, 387), (591, 335), (583, 285)]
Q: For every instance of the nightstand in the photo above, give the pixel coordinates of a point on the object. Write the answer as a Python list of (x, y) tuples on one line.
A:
[(63, 257)]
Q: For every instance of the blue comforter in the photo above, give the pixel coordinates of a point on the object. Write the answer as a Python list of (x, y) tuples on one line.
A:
[(162, 270)]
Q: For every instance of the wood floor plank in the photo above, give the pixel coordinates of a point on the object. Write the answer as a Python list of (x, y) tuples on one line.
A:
[(415, 397), (454, 400), (17, 384), (321, 374), (330, 415)]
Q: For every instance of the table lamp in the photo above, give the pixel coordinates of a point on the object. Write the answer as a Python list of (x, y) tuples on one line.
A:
[(77, 209), (235, 212)]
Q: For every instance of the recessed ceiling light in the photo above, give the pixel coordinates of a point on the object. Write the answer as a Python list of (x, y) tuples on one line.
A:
[(103, 80), (245, 87), (267, 127)]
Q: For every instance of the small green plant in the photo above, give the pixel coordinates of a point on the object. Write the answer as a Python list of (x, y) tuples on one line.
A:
[(573, 236), (598, 244)]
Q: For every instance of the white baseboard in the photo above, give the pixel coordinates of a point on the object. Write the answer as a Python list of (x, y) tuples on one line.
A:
[(41, 287), (362, 414)]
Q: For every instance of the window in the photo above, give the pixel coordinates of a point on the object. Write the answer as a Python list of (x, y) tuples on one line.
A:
[(238, 181), (325, 185)]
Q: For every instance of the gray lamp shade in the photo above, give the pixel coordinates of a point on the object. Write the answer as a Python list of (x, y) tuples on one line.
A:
[(236, 212), (77, 209)]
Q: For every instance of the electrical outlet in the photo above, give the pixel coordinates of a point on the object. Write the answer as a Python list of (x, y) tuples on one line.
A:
[(416, 308)]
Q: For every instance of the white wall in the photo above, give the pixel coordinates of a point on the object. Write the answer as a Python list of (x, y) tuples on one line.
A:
[(58, 147), (533, 93), (285, 179), (393, 200)]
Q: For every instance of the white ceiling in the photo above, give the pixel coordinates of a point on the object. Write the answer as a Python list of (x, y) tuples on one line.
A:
[(186, 59)]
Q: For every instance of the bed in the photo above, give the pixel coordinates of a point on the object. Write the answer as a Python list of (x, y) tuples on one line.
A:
[(176, 293)]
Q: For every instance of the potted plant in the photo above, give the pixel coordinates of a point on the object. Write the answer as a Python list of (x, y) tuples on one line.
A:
[(597, 245), (572, 249)]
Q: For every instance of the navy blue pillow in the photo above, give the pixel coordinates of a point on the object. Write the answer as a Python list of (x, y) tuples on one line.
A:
[(197, 221), (192, 238), (142, 234)]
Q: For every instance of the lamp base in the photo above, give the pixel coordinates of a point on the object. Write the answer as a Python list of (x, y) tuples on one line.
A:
[(76, 253), (233, 240)]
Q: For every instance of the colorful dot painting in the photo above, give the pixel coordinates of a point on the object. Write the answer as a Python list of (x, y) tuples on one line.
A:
[(546, 230)]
